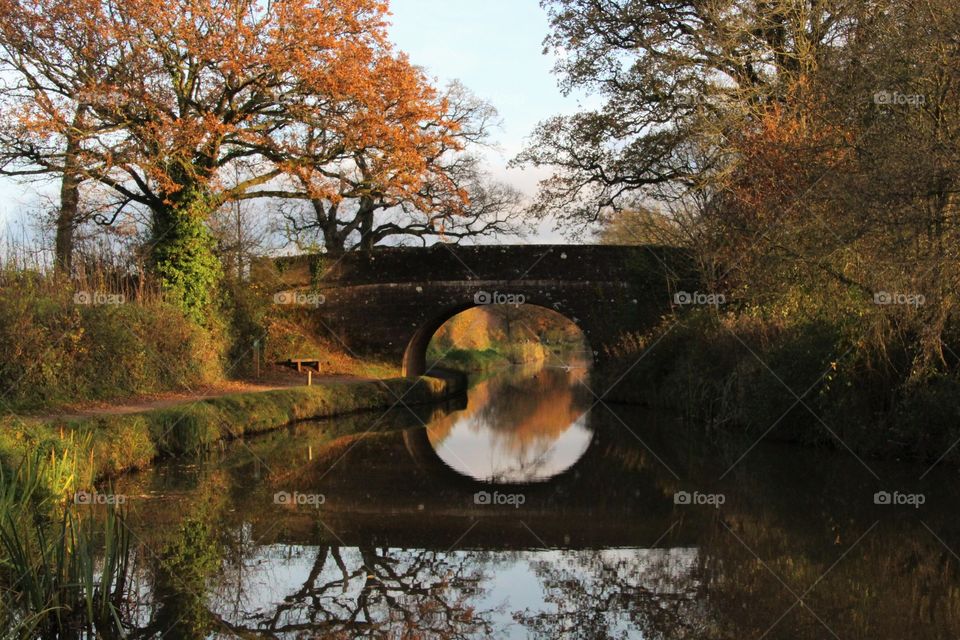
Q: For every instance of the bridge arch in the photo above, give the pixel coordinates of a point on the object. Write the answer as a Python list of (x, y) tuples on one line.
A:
[(389, 302), (415, 354)]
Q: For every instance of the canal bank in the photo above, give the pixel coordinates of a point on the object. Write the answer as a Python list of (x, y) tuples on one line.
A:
[(83, 451)]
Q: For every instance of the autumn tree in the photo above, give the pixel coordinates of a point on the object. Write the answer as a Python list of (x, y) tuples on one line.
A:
[(175, 94), (905, 214), (640, 225), (455, 199), (818, 141), (676, 79), (846, 189)]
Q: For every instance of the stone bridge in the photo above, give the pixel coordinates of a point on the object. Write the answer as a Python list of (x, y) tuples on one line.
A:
[(389, 302)]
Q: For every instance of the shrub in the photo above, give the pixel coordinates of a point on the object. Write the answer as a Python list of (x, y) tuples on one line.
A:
[(524, 351), (59, 352), (746, 372)]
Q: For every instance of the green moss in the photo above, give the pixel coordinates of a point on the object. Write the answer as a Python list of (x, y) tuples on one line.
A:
[(183, 252)]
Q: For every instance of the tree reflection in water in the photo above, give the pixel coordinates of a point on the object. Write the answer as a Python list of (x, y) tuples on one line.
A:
[(369, 592), (798, 551), (349, 592), (526, 425), (346, 592), (618, 593), (282, 591)]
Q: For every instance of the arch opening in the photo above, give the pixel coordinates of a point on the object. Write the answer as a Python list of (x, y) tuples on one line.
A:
[(526, 416), (514, 331)]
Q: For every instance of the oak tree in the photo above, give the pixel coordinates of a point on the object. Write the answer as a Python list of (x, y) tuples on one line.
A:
[(174, 94), (454, 199)]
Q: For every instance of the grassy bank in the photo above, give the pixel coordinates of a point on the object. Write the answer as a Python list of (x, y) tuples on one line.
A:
[(64, 570), (482, 360), (69, 343), (745, 373), (65, 344), (83, 451)]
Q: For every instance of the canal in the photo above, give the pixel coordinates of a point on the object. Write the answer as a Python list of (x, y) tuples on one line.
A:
[(532, 508)]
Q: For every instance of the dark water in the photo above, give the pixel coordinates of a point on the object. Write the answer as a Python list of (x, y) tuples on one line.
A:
[(538, 511)]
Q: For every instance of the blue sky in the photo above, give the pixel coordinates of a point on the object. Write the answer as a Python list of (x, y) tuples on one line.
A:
[(495, 47), (492, 46)]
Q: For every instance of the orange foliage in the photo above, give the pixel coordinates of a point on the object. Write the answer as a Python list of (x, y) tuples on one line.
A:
[(472, 329), (178, 90), (782, 156), (549, 411)]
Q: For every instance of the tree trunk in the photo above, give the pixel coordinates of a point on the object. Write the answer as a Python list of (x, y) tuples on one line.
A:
[(63, 247), (328, 222), (366, 223), (183, 252), (68, 217)]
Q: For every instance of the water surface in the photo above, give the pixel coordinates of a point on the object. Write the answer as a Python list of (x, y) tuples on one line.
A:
[(527, 424), (532, 510)]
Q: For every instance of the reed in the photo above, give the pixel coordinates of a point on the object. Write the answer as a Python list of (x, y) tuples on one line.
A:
[(63, 571)]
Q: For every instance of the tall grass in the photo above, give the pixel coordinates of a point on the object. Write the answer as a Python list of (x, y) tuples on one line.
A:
[(100, 266), (63, 572)]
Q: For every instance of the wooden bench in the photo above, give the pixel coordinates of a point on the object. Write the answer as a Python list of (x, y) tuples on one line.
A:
[(299, 363)]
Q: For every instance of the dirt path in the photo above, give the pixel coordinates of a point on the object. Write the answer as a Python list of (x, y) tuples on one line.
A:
[(164, 400)]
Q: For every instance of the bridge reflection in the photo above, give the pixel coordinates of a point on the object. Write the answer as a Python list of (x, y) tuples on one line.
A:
[(392, 488), (524, 425), (400, 545)]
